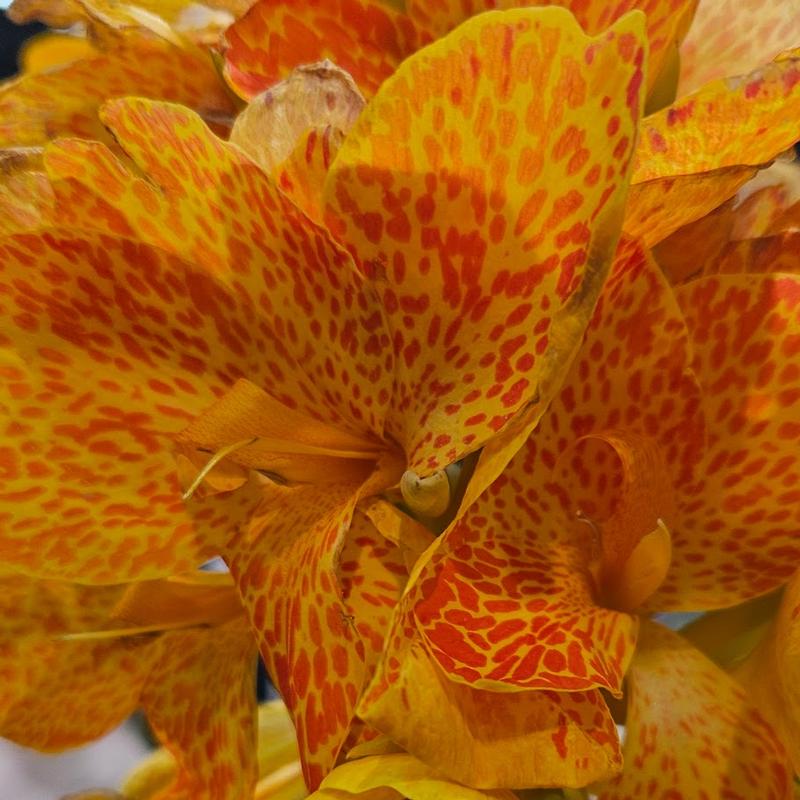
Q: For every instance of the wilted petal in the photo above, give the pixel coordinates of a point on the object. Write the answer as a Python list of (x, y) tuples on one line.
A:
[(482, 738), (735, 535), (691, 732), (364, 37), (313, 96), (729, 37), (65, 101), (444, 192)]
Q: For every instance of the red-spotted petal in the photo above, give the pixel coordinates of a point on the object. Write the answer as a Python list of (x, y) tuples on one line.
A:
[(691, 732), (444, 192), (284, 564), (296, 297), (692, 155), (364, 37), (201, 704), (735, 535), (482, 738), (105, 357), (771, 673), (667, 20)]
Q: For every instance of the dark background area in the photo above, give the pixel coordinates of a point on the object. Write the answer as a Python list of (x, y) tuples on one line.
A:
[(11, 37)]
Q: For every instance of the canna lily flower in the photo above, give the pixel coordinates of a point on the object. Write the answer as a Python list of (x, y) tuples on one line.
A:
[(661, 478), (77, 660), (690, 157), (297, 370)]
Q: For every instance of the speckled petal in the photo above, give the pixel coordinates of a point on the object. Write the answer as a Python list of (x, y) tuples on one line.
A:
[(691, 732), (201, 704), (735, 533), (364, 37), (695, 151), (487, 739), (105, 357), (667, 20), (445, 192), (64, 101), (729, 37), (275, 281), (771, 673), (284, 564)]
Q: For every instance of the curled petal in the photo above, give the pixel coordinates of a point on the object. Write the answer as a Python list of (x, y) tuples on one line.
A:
[(482, 738), (444, 191), (691, 730)]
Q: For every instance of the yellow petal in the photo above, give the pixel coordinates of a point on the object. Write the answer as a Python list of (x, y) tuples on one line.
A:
[(49, 50), (691, 731), (386, 777), (481, 190), (202, 706)]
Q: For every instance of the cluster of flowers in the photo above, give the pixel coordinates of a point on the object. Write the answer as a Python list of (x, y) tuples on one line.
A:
[(468, 337)]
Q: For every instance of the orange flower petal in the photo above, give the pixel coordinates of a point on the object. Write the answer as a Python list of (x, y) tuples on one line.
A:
[(201, 704), (659, 207), (625, 429), (39, 107), (729, 37), (487, 739), (735, 533), (691, 731), (104, 359), (667, 20), (26, 197), (364, 37), (771, 204), (505, 602), (484, 268), (284, 564), (274, 280), (771, 674)]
